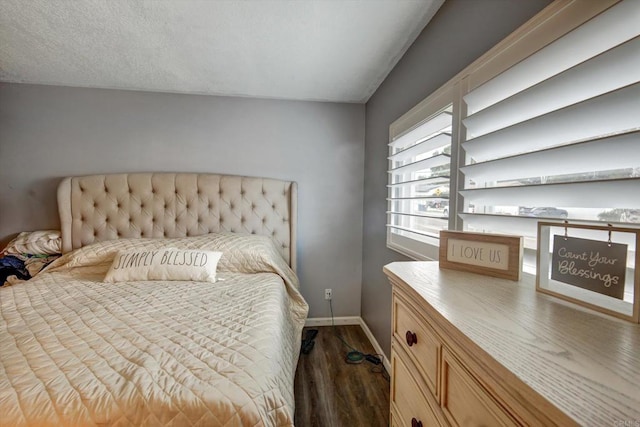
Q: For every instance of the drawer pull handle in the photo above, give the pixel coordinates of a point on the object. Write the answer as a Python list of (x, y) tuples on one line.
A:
[(411, 338), (415, 423)]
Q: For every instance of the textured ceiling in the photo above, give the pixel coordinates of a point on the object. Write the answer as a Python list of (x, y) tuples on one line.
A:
[(325, 50)]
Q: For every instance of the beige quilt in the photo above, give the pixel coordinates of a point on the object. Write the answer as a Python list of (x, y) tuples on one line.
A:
[(76, 351)]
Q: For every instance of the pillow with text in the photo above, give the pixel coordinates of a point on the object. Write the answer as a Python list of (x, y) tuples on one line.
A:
[(163, 264)]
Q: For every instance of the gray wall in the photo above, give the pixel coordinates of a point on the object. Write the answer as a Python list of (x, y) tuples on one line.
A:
[(48, 132), (458, 34)]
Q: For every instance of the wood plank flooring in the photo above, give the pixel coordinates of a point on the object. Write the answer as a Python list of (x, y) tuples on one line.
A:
[(333, 393)]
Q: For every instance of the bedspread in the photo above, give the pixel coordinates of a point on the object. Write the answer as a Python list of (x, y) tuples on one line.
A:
[(77, 351)]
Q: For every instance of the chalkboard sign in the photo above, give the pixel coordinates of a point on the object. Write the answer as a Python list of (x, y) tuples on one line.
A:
[(582, 264), (590, 264)]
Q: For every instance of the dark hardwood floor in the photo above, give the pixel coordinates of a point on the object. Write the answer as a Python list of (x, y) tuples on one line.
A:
[(333, 393)]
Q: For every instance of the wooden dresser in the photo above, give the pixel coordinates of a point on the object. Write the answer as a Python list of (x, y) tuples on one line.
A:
[(472, 350)]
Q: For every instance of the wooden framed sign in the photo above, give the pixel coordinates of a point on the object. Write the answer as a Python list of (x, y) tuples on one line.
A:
[(494, 255), (590, 265)]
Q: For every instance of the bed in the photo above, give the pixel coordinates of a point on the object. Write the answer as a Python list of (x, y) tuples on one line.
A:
[(76, 350)]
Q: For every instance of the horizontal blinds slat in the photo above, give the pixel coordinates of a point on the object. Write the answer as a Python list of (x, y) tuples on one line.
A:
[(438, 141), (418, 198), (434, 216), (434, 180), (586, 41), (523, 226), (439, 160), (607, 114), (411, 230), (504, 224), (620, 65), (439, 123), (617, 193), (617, 152)]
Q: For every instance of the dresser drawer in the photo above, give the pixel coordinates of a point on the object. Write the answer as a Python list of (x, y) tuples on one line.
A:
[(419, 342), (464, 401), (407, 401)]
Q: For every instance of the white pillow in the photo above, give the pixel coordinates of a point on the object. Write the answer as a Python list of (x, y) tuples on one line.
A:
[(42, 242), (163, 264)]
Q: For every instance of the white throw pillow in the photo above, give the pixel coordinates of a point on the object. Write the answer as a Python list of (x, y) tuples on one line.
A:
[(163, 264)]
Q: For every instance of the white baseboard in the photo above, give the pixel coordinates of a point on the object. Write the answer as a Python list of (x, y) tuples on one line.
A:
[(352, 320), (326, 321), (376, 346)]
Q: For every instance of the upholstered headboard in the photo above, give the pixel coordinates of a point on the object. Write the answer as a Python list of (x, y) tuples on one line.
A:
[(106, 207)]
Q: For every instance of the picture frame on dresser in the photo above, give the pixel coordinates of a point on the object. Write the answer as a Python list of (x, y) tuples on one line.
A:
[(593, 266), (496, 255)]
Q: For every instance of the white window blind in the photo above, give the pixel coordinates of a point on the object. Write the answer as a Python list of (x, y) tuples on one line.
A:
[(419, 184), (546, 125), (558, 134)]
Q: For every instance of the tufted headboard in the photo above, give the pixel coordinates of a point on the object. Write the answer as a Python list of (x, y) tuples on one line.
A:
[(106, 207)]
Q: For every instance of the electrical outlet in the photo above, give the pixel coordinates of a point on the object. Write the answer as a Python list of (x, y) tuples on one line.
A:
[(327, 294)]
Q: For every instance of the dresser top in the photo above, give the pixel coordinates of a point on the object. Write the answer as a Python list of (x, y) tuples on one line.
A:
[(584, 362)]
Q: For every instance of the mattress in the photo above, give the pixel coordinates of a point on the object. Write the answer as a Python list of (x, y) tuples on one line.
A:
[(77, 351)]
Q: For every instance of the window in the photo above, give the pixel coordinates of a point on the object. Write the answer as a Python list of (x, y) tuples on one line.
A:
[(549, 125), (419, 180)]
